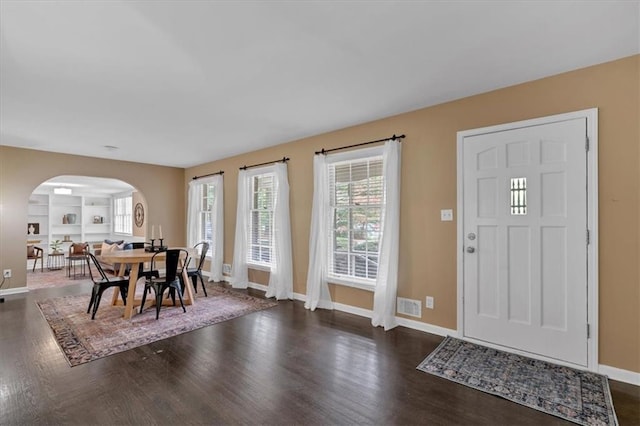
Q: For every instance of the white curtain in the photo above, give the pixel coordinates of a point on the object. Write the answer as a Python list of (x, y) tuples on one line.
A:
[(192, 212), (239, 272), (281, 275), (217, 220), (384, 298), (317, 287)]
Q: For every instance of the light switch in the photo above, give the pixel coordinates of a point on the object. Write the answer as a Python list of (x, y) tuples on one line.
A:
[(446, 215)]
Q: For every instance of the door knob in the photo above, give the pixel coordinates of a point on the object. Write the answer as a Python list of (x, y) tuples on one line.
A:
[(470, 249)]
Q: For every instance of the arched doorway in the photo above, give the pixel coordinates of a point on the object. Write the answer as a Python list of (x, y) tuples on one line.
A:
[(78, 209)]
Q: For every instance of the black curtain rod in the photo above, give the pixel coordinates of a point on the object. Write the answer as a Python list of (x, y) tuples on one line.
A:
[(221, 172), (284, 160), (325, 151)]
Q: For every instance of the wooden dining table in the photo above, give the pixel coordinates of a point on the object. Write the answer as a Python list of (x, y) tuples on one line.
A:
[(132, 259)]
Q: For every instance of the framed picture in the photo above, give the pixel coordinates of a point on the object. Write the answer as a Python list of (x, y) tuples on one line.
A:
[(33, 228), (97, 219)]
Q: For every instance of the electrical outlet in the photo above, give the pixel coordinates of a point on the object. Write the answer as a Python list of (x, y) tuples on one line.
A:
[(429, 303), (446, 215), (6, 273)]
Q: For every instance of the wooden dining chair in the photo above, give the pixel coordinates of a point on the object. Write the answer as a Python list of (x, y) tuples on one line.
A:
[(103, 282), (35, 253), (175, 260)]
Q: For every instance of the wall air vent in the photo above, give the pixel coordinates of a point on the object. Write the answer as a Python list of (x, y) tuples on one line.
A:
[(409, 307)]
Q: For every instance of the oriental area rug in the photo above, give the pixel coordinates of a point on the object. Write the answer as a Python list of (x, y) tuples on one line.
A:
[(53, 279), (579, 396), (83, 340)]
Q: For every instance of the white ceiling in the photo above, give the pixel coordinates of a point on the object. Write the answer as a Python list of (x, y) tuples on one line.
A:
[(183, 83)]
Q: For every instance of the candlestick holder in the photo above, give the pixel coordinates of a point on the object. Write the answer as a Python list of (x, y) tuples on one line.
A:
[(154, 248)]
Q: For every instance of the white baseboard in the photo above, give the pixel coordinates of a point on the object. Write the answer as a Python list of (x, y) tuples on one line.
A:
[(367, 313), (16, 290), (619, 374), (613, 373), (258, 286), (426, 327)]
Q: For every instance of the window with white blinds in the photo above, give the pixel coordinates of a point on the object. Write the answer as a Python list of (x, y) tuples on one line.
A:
[(261, 219), (122, 215), (207, 194), (356, 191)]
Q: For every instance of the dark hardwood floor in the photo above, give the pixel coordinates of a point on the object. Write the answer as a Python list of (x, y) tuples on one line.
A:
[(284, 365)]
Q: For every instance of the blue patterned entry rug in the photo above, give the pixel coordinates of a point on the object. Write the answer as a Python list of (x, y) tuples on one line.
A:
[(578, 396)]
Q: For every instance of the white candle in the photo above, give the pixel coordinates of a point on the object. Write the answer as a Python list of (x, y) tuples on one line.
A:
[(160, 228), (153, 228)]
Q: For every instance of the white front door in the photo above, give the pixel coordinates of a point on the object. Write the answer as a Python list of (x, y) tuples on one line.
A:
[(524, 228)]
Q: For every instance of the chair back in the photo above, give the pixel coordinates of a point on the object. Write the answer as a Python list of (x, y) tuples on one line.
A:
[(171, 262), (33, 252), (137, 245), (92, 259), (204, 247), (78, 248)]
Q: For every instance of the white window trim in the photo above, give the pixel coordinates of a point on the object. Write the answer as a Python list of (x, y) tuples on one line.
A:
[(259, 266), (362, 284), (114, 199), (343, 280), (252, 264), (199, 212)]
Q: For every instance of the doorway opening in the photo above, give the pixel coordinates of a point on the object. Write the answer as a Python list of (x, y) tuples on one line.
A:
[(67, 210)]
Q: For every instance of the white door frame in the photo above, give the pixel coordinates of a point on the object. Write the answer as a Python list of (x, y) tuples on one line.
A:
[(591, 116)]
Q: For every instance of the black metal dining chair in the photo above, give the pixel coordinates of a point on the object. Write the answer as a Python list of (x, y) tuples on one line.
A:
[(196, 272), (103, 282), (175, 260), (141, 272)]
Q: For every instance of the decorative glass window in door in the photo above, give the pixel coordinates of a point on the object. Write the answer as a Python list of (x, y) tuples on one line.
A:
[(518, 196)]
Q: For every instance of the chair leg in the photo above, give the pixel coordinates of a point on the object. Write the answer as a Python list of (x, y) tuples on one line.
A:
[(194, 280), (181, 302), (158, 302), (144, 297), (203, 287), (182, 285), (123, 294), (172, 295), (93, 298), (97, 303)]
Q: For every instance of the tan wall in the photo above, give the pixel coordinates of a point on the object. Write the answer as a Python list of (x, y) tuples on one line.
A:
[(21, 170), (428, 246)]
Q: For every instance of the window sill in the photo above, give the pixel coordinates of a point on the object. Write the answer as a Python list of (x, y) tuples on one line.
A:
[(259, 267), (352, 282)]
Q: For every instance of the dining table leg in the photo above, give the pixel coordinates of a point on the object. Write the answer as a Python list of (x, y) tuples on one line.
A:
[(189, 299), (130, 307), (131, 295)]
